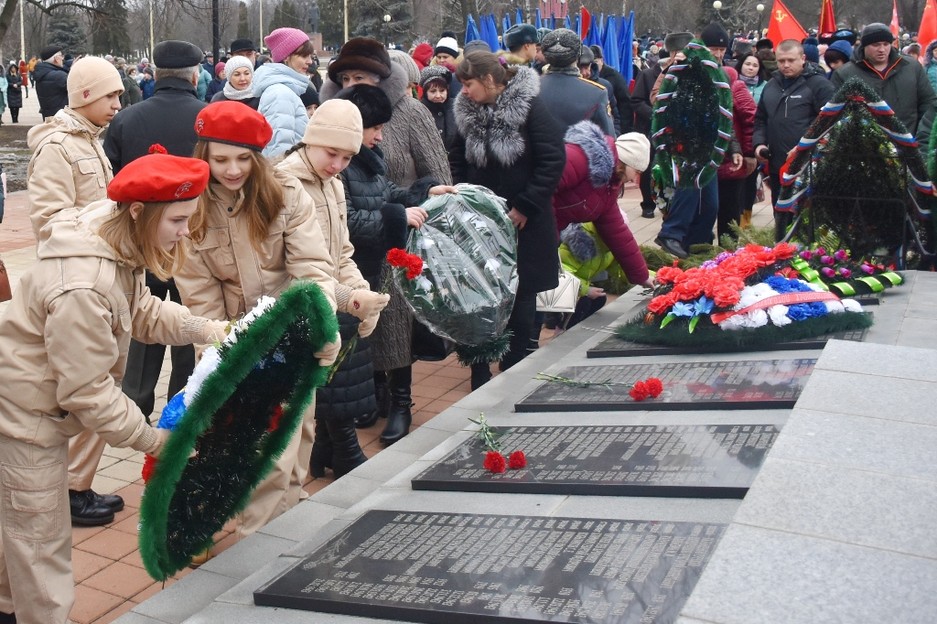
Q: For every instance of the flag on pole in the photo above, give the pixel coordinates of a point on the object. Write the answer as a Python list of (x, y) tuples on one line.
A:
[(585, 21), (626, 49), (610, 43), (519, 18), (927, 31), (538, 20), (471, 30), (894, 27), (827, 20), (782, 25)]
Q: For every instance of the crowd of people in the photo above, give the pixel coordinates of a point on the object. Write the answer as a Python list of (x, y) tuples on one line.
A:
[(168, 197)]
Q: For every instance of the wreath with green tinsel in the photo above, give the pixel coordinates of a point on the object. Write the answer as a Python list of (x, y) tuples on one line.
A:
[(238, 421), (692, 121), (858, 165)]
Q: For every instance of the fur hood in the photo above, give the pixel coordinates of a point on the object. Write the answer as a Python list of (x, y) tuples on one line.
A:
[(579, 241), (496, 130), (394, 86), (599, 154)]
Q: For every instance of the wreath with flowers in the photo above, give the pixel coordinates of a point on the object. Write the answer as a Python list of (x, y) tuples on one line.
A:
[(838, 272), (741, 299), (239, 409), (692, 121)]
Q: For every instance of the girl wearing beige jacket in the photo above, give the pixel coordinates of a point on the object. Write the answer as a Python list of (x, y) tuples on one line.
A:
[(256, 231), (64, 339)]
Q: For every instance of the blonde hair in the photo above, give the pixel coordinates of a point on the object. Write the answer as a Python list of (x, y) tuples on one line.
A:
[(136, 241), (262, 202)]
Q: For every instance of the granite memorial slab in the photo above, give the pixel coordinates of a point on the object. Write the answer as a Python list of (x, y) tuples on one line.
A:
[(727, 385), (699, 461), (456, 568), (616, 347)]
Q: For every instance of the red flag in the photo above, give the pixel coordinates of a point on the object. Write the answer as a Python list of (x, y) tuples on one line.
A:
[(585, 21), (782, 25), (927, 31), (827, 20), (894, 27)]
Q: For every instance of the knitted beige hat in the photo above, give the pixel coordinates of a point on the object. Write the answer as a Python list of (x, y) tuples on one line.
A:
[(335, 124), (634, 150), (90, 79)]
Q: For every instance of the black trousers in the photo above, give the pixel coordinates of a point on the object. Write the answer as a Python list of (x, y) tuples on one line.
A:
[(730, 205), (145, 361)]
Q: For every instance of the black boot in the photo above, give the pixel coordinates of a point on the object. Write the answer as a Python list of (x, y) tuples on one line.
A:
[(87, 510), (399, 417), (481, 374), (321, 456), (382, 395), (346, 452), (111, 501)]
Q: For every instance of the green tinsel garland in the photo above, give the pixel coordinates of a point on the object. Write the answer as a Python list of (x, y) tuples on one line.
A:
[(238, 424), (709, 337), (692, 120), (490, 351)]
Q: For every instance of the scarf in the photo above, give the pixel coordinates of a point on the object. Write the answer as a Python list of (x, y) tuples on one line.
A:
[(750, 81)]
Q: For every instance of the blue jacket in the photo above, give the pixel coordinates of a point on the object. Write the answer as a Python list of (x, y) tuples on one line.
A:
[(279, 88)]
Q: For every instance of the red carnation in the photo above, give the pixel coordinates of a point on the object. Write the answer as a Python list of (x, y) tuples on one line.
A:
[(517, 460), (639, 391), (149, 465), (654, 386), (397, 257), (494, 462)]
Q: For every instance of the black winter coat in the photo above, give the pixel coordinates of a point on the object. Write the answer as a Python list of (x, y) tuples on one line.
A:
[(14, 91), (167, 118), (445, 121), (516, 149), (641, 99), (351, 391), (622, 96), (51, 88)]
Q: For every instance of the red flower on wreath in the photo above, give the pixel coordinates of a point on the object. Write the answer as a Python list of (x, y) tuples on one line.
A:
[(413, 264), (517, 460), (495, 462)]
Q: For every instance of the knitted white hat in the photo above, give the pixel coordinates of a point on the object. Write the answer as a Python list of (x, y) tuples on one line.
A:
[(634, 150)]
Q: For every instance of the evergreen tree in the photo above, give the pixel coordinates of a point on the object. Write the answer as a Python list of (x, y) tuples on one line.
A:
[(331, 23), (109, 29), (287, 15), (66, 30), (369, 18)]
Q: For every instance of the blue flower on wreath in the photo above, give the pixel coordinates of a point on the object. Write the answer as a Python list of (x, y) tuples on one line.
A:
[(692, 310), (784, 285)]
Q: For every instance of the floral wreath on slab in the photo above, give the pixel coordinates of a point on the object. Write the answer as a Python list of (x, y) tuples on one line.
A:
[(855, 163), (738, 300), (466, 285), (839, 273), (239, 409), (692, 121)]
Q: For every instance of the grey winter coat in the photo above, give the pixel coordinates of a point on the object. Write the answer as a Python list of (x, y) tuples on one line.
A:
[(412, 146)]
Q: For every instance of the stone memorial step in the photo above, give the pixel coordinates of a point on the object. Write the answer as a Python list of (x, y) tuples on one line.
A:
[(458, 568), (694, 461), (709, 385)]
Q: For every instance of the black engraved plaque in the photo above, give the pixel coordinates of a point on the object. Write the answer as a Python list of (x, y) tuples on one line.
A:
[(447, 568), (616, 347), (703, 461), (747, 384)]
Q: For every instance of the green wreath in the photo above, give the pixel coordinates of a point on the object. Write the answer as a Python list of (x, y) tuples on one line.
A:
[(692, 121), (235, 427)]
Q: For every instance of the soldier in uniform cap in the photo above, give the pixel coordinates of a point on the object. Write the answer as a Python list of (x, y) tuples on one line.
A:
[(521, 41), (569, 96), (167, 118)]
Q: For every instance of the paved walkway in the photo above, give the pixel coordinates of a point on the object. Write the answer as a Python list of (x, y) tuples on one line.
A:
[(108, 570)]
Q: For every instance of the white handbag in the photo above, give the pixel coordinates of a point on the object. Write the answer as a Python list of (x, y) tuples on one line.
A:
[(563, 298)]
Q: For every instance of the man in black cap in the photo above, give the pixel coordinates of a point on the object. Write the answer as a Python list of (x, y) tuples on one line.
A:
[(899, 80), (51, 81), (568, 95), (521, 41), (168, 118), (619, 89), (245, 48), (716, 38)]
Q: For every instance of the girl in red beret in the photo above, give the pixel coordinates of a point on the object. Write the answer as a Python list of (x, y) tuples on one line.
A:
[(66, 335), (256, 231)]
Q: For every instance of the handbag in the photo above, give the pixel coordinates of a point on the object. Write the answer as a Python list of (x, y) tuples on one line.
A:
[(427, 346), (563, 298), (6, 293)]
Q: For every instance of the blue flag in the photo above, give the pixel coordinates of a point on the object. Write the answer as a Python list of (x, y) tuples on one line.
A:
[(471, 30)]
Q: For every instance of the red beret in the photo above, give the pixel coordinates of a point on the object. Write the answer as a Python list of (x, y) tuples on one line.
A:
[(159, 178), (233, 123)]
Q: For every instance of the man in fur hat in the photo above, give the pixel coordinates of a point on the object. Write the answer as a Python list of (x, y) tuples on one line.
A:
[(569, 96)]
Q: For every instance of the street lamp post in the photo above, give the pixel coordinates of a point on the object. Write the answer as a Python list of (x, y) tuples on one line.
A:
[(761, 9), (386, 27), (717, 7)]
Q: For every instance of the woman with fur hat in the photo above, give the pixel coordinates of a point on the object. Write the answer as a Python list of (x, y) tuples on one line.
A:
[(256, 232), (510, 142), (434, 81), (597, 168), (332, 139), (379, 214), (239, 71), (279, 85), (412, 147), (70, 324)]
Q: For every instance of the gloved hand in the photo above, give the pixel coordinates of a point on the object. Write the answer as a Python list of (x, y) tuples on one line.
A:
[(329, 352), (366, 327), (216, 331), (365, 303), (152, 441)]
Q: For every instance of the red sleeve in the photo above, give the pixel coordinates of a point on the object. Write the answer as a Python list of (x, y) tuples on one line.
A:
[(743, 114)]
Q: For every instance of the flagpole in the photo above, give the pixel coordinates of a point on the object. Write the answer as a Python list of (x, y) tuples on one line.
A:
[(22, 32)]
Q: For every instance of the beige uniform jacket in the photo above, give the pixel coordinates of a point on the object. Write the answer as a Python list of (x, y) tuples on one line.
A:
[(224, 275), (65, 336), (68, 168), (332, 215)]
